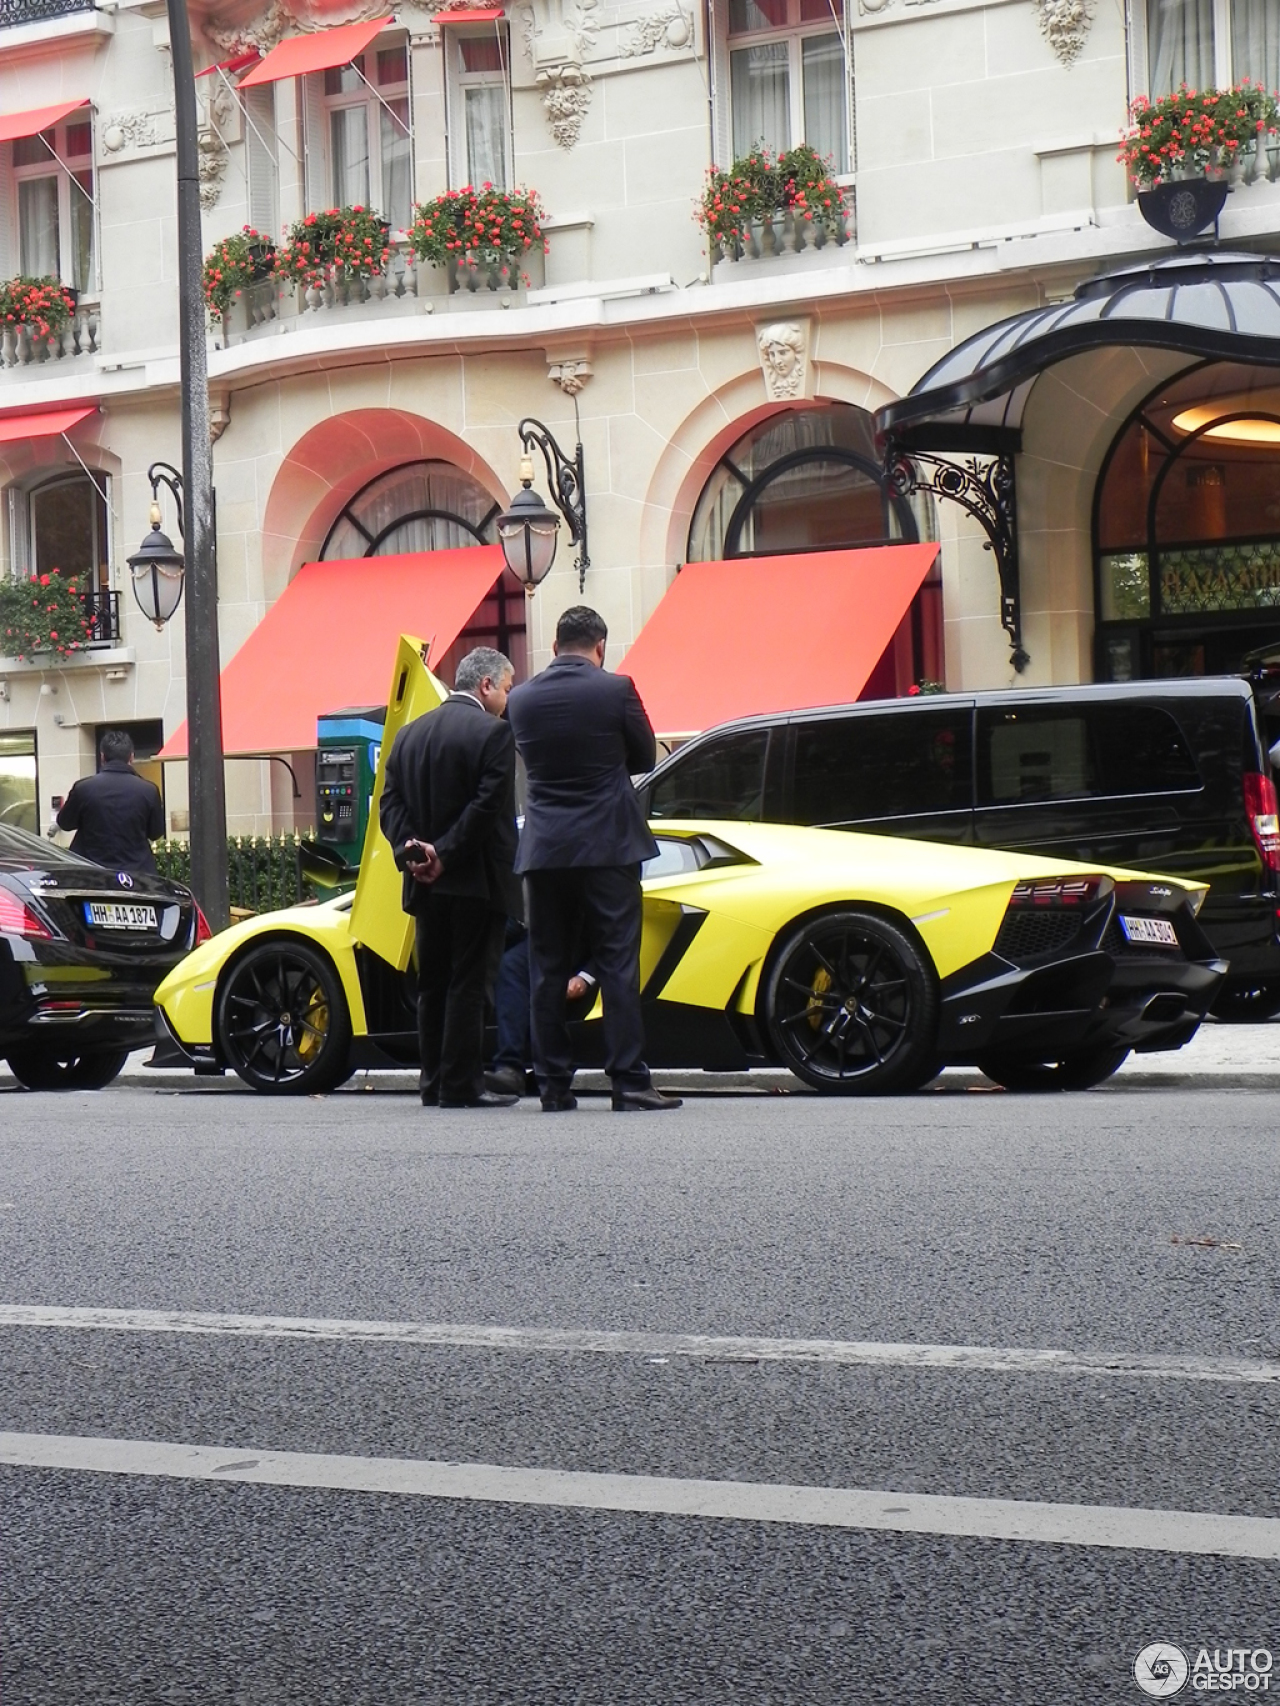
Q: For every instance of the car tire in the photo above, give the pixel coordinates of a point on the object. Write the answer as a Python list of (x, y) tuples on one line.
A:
[(1074, 1072), (851, 1006), (282, 1021), (1247, 1003), (46, 1066)]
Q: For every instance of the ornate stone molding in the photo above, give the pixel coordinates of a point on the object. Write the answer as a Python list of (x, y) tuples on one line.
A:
[(136, 128), (212, 138), (570, 376), (1065, 24), (566, 95), (784, 359), (671, 27)]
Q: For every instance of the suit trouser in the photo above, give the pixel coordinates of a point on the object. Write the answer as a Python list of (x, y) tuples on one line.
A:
[(458, 937), (596, 907)]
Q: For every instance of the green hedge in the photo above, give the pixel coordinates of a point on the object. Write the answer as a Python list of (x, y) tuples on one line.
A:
[(262, 870)]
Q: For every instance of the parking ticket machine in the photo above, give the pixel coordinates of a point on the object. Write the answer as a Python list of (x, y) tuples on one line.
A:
[(348, 744)]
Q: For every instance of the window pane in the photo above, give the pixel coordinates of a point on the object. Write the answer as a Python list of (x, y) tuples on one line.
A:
[(824, 99), (482, 53), (1140, 750), (857, 769), (79, 140), (349, 145), (759, 80), (38, 227), (65, 520), (393, 66), (33, 150), (486, 112), (1034, 755), (396, 191), (1179, 44), (344, 79), (818, 11), (1255, 41), (18, 779), (747, 15), (82, 231), (725, 779)]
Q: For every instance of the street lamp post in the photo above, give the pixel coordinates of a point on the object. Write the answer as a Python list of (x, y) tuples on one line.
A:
[(206, 783), (527, 531)]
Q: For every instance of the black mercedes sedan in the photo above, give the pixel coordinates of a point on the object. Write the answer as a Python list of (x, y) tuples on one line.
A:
[(82, 949)]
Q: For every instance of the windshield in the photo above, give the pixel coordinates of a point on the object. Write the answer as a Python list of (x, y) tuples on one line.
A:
[(17, 848)]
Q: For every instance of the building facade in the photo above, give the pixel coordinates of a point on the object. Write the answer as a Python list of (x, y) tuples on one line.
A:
[(728, 403)]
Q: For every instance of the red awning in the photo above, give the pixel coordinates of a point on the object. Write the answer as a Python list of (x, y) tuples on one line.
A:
[(240, 62), (319, 51), (471, 15), (36, 119), (330, 639), (43, 423), (771, 633)]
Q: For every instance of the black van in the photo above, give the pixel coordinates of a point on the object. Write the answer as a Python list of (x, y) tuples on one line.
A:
[(1165, 776)]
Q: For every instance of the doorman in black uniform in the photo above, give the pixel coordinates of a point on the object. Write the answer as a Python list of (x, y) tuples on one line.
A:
[(448, 809), (117, 814), (582, 733)]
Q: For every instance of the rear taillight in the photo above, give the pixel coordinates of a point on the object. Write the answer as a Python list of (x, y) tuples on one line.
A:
[(17, 918), (1264, 817), (1056, 891), (203, 932)]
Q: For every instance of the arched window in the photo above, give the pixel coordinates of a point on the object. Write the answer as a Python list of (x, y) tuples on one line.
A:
[(433, 506), (1187, 527), (63, 525), (421, 506), (811, 480), (804, 480)]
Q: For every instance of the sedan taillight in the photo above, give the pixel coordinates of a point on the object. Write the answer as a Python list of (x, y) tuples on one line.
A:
[(17, 918), (203, 932)]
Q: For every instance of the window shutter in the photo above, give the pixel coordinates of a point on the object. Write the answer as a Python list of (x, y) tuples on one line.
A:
[(8, 214), (264, 166), (721, 98), (315, 142)]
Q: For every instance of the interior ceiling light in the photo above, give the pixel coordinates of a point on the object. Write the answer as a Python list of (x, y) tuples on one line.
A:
[(1249, 431)]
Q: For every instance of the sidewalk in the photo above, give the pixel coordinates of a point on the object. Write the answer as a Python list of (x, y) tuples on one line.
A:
[(1220, 1056)]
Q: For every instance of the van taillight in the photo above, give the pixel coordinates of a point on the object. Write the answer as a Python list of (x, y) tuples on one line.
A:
[(203, 932), (1263, 813), (17, 918)]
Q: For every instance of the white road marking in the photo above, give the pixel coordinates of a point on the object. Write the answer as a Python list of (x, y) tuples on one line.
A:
[(745, 1501), (991, 1359)]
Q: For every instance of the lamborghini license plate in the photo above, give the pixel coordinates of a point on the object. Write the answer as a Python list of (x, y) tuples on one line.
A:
[(119, 915), (1151, 932)]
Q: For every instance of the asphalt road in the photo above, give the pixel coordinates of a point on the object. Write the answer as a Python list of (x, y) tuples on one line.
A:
[(1132, 1228)]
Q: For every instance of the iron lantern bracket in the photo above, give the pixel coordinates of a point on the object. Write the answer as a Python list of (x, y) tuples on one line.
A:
[(166, 475), (567, 481), (985, 488)]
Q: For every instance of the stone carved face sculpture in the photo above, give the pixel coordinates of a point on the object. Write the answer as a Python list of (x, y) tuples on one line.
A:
[(782, 358)]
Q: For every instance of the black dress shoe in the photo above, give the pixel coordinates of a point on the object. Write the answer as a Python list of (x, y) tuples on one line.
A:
[(648, 1101), (429, 1099), (505, 1081), (564, 1103), (483, 1099)]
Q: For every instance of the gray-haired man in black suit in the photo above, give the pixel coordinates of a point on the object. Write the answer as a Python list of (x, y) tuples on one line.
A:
[(581, 734), (448, 810)]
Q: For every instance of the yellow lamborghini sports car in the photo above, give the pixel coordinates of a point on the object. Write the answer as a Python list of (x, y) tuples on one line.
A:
[(864, 963)]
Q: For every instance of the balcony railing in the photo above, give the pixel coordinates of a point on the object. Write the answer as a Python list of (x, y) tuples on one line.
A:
[(37, 11), (408, 287), (20, 347), (103, 612)]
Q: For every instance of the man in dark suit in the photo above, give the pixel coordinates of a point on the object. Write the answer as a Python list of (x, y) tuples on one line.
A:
[(448, 810), (117, 814), (581, 734)]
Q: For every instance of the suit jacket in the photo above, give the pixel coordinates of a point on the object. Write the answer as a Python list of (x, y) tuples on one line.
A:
[(582, 734), (451, 780), (116, 815)]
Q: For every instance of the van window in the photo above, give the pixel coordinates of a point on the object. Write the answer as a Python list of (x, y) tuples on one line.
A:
[(901, 764), (1066, 752), (722, 778)]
